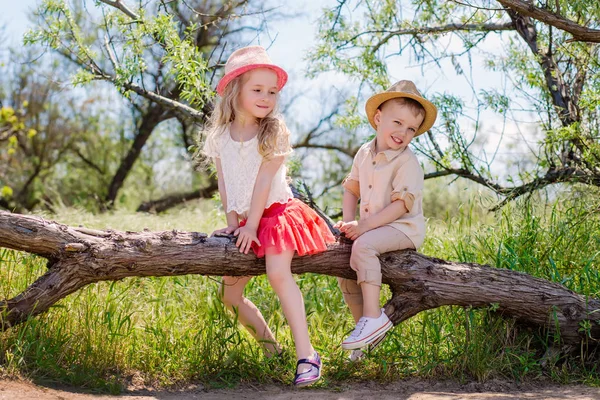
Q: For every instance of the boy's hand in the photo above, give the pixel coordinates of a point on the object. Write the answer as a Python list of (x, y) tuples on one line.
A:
[(353, 229), (340, 227), (246, 236), (339, 224), (224, 231)]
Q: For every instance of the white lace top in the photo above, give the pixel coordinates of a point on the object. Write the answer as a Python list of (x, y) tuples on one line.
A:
[(240, 162)]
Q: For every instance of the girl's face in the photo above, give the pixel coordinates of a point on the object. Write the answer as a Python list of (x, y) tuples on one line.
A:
[(258, 94)]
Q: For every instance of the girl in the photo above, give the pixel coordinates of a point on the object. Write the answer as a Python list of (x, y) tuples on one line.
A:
[(248, 143)]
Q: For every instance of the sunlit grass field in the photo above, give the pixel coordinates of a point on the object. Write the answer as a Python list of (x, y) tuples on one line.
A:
[(172, 331)]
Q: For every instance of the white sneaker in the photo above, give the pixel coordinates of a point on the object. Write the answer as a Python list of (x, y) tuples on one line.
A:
[(359, 354), (367, 331)]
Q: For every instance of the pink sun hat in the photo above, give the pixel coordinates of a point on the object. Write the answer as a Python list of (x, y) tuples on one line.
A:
[(246, 59)]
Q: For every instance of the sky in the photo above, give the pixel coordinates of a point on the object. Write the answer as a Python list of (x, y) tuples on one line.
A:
[(14, 17)]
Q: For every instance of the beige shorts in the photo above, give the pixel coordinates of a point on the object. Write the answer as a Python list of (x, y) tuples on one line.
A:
[(365, 258)]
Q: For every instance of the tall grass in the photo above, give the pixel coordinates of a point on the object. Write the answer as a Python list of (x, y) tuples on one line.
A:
[(173, 330)]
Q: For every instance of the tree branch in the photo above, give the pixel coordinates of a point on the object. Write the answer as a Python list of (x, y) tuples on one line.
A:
[(560, 175), (118, 4), (79, 256), (350, 152), (567, 110), (526, 8), (196, 115), (87, 161), (445, 28), (172, 200)]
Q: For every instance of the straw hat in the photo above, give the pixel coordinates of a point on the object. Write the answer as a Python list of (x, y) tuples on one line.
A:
[(246, 59), (402, 89)]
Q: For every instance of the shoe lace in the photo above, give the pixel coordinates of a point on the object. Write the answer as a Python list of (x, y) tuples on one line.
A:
[(360, 325)]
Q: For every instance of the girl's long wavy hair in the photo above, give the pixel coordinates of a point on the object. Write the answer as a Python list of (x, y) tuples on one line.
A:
[(272, 131)]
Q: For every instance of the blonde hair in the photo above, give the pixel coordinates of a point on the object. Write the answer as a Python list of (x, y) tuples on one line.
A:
[(273, 135)]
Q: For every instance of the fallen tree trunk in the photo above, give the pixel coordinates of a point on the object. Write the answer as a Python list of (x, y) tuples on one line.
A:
[(80, 256)]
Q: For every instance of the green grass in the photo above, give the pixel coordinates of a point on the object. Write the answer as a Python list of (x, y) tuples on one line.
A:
[(173, 331)]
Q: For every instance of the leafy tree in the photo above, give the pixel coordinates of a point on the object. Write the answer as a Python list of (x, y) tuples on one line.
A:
[(57, 145), (39, 125), (161, 56), (549, 59)]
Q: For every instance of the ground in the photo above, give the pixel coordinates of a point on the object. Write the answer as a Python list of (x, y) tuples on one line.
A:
[(402, 390)]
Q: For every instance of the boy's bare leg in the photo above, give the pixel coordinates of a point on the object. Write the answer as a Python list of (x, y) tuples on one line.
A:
[(352, 297), (370, 307)]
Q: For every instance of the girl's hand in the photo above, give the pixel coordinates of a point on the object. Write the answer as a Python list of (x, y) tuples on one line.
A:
[(353, 229), (224, 231), (339, 224), (246, 236)]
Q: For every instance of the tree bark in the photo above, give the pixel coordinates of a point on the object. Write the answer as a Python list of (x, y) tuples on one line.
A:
[(567, 110), (579, 32), (80, 256), (155, 115)]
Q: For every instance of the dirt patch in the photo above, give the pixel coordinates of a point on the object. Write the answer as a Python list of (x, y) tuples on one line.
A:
[(403, 390)]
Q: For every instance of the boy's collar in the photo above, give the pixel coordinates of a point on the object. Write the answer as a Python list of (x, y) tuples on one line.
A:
[(389, 154)]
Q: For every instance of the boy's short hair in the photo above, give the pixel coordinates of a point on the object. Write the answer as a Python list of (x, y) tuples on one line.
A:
[(414, 106)]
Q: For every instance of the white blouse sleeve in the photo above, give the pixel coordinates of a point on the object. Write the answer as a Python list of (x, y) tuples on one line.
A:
[(212, 147)]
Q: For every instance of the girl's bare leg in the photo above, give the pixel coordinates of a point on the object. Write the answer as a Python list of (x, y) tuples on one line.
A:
[(232, 295), (280, 275)]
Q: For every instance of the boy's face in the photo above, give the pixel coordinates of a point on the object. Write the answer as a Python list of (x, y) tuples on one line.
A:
[(396, 126)]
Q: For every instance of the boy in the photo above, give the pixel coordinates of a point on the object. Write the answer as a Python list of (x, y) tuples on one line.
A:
[(388, 179)]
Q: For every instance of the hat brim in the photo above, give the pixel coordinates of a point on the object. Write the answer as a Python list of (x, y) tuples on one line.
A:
[(282, 76), (378, 99)]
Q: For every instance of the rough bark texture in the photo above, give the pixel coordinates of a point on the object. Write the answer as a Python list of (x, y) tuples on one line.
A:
[(580, 32), (80, 256)]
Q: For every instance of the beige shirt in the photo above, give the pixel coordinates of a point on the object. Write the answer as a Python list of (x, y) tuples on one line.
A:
[(379, 179)]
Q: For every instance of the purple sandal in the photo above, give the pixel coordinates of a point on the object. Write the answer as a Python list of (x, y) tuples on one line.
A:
[(312, 375)]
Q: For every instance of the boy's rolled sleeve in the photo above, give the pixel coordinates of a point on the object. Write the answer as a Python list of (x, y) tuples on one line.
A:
[(407, 184), (351, 183)]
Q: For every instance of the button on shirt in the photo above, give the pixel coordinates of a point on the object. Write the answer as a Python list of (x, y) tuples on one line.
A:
[(379, 179)]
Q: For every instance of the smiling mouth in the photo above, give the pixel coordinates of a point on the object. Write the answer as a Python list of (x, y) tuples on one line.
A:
[(265, 107), (396, 140)]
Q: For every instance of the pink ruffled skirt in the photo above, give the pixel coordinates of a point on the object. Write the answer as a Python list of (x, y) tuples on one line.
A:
[(291, 226)]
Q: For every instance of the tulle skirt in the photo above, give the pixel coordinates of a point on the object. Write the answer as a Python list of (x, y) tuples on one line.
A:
[(291, 226)]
